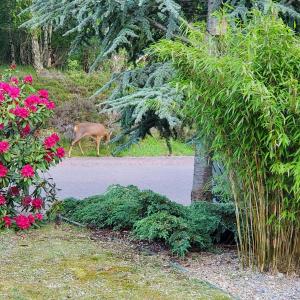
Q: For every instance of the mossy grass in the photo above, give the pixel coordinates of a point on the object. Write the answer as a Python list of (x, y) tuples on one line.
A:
[(63, 262)]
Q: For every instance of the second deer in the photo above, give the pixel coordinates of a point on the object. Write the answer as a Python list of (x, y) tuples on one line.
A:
[(96, 131)]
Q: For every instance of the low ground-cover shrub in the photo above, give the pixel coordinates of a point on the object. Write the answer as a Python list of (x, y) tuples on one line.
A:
[(151, 216)]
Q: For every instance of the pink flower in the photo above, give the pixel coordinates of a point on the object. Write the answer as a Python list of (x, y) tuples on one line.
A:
[(31, 219), (1, 126), (33, 108), (37, 203), (2, 98), (14, 190), (51, 141), (14, 80), (22, 222), (55, 137), (43, 101), (4, 146), (31, 100), (27, 79), (20, 112), (7, 221), (25, 130), (48, 157), (50, 105), (26, 201), (3, 170), (13, 66), (60, 152), (2, 200), (4, 86), (14, 92), (39, 216), (43, 94), (27, 171)]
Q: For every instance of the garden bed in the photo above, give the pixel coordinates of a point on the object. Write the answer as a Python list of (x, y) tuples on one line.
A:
[(220, 268)]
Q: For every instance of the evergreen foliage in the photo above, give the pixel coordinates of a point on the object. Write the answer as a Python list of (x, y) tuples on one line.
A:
[(154, 217), (245, 100), (144, 99), (132, 25), (288, 10)]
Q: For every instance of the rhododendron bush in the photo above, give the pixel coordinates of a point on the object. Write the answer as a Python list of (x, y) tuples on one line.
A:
[(25, 155)]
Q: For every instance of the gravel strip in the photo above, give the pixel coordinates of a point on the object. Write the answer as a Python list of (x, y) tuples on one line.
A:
[(224, 271)]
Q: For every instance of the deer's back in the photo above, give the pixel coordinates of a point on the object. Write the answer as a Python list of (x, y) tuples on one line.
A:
[(90, 128)]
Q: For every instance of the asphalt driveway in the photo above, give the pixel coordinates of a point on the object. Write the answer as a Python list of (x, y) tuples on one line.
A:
[(82, 177)]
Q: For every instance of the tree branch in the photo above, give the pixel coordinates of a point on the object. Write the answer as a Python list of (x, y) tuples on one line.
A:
[(163, 28)]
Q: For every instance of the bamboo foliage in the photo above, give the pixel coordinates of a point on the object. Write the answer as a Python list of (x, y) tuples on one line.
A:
[(246, 102)]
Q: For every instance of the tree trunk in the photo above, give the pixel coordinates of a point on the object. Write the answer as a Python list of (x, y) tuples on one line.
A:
[(36, 53), (212, 21), (202, 180), (214, 27), (10, 35), (169, 146), (47, 31), (85, 60)]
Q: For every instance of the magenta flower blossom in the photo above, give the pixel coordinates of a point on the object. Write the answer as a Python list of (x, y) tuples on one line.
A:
[(3, 170), (27, 79), (14, 80), (51, 141), (2, 200), (14, 92), (27, 171), (22, 222), (4, 146), (60, 152), (43, 94), (37, 203), (20, 112)]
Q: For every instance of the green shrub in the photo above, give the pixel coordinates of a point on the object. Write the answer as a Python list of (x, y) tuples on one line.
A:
[(152, 203), (154, 217), (207, 222), (118, 208), (165, 227)]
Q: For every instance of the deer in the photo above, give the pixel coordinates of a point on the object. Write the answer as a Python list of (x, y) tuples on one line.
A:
[(96, 131)]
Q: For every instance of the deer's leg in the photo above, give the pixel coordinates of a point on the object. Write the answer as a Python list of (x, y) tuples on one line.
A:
[(98, 140), (76, 140), (80, 148), (70, 150), (71, 147)]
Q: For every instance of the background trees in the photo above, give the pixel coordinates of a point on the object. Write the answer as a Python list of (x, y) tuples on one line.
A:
[(28, 46)]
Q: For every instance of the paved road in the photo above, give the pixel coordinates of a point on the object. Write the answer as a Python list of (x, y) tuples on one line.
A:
[(82, 177)]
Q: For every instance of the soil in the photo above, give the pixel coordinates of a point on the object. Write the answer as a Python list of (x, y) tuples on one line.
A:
[(221, 269)]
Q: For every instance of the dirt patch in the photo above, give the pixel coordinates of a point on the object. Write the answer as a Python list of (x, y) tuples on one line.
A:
[(221, 269), (124, 237), (224, 270)]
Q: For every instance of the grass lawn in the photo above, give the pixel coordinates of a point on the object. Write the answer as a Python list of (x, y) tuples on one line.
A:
[(151, 146), (64, 263), (64, 86)]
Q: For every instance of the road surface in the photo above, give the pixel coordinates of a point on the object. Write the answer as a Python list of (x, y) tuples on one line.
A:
[(82, 177)]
